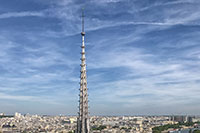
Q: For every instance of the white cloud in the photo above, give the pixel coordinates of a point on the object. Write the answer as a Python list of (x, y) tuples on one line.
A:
[(14, 97), (106, 1), (21, 14), (147, 78)]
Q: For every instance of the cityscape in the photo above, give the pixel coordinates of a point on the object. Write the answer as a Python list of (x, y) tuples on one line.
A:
[(19, 123), (99, 66)]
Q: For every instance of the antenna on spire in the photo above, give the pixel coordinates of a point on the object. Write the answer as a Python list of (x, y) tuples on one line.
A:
[(83, 32)]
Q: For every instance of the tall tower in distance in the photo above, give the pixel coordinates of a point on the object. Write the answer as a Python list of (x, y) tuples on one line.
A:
[(83, 114)]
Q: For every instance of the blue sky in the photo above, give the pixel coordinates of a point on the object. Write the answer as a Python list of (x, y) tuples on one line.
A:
[(143, 56)]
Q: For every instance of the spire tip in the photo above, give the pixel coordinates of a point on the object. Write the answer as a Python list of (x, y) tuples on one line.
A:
[(83, 33)]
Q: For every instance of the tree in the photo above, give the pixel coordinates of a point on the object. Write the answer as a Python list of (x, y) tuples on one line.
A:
[(156, 131), (196, 131)]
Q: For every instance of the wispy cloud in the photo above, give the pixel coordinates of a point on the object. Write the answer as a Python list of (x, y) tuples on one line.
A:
[(5, 96), (21, 14)]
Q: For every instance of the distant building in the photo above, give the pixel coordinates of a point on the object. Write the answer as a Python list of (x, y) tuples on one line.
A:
[(18, 115), (2, 114), (179, 118), (190, 118), (72, 120), (196, 119), (181, 131)]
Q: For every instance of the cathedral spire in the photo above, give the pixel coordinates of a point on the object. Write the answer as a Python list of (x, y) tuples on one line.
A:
[(83, 115), (83, 20)]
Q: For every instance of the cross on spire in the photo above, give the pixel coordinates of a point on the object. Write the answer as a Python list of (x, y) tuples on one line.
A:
[(83, 17)]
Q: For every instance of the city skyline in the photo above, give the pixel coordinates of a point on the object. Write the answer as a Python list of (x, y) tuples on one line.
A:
[(142, 56)]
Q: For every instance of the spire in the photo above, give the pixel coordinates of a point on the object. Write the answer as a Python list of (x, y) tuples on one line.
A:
[(83, 20), (83, 118), (83, 30)]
